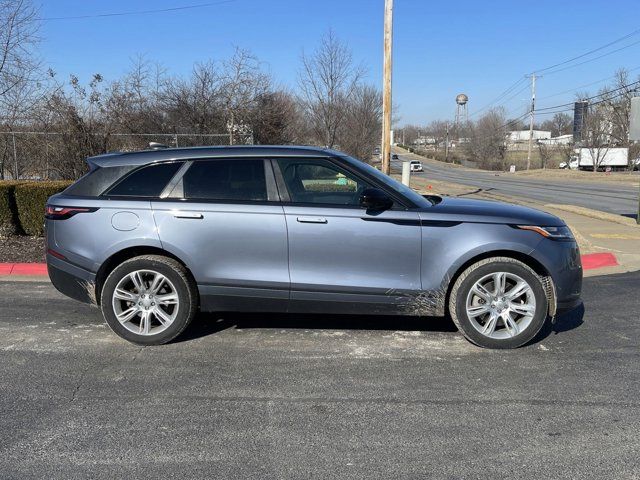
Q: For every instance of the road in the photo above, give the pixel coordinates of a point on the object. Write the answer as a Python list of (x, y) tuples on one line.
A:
[(612, 198), (259, 396)]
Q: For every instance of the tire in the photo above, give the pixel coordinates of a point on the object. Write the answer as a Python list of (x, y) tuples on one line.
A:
[(142, 315), (500, 321)]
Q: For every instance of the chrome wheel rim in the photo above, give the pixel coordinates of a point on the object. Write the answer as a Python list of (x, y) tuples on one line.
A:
[(145, 302), (501, 305)]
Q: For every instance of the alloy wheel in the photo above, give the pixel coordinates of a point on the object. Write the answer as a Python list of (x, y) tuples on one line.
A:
[(145, 302), (501, 305)]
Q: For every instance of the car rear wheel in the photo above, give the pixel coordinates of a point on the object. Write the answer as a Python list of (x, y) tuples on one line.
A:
[(499, 302), (149, 300)]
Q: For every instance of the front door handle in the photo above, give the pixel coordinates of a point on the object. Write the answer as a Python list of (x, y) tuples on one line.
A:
[(312, 220), (194, 216)]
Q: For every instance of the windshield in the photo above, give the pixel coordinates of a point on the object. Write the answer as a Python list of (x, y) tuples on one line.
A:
[(405, 191)]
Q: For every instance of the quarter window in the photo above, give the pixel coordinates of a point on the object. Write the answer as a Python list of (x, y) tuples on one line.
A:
[(232, 180), (320, 181), (147, 181)]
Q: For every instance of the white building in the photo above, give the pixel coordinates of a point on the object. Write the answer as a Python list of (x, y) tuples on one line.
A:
[(516, 136), (561, 140)]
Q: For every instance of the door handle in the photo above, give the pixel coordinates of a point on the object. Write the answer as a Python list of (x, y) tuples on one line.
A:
[(193, 216), (312, 220)]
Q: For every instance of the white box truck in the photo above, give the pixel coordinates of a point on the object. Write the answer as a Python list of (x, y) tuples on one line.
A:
[(605, 158)]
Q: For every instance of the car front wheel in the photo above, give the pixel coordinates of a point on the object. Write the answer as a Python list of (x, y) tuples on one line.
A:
[(149, 300), (499, 302)]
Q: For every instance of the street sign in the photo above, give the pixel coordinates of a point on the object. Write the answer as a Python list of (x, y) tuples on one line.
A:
[(634, 119)]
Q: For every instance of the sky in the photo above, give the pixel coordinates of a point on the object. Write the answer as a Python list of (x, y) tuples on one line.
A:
[(441, 48)]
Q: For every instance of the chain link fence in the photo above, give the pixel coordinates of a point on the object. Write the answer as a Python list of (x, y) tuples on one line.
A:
[(55, 155)]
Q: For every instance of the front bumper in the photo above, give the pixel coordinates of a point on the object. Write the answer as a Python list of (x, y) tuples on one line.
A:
[(562, 261), (71, 280)]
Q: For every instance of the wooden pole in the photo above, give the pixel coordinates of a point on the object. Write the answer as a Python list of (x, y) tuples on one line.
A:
[(531, 118), (386, 87)]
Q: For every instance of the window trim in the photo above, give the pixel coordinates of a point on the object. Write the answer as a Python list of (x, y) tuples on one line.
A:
[(400, 203), (270, 183), (106, 193)]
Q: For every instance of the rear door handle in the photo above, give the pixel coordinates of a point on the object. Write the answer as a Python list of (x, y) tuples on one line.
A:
[(193, 216), (312, 220)]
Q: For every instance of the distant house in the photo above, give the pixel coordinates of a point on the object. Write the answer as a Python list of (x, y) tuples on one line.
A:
[(518, 136)]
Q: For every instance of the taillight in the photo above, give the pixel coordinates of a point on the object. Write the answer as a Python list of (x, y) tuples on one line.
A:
[(53, 212)]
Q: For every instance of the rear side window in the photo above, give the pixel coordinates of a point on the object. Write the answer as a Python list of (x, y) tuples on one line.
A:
[(234, 180), (97, 181), (147, 181)]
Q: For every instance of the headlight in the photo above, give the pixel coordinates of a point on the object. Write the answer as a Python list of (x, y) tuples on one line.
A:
[(555, 233)]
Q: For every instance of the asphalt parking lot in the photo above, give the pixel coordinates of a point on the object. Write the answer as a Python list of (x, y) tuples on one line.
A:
[(260, 396)]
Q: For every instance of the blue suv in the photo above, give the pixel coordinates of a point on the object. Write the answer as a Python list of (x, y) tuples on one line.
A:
[(154, 236)]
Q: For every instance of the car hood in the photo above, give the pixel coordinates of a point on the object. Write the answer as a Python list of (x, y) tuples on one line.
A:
[(485, 211)]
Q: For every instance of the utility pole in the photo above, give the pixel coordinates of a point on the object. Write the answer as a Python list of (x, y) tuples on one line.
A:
[(386, 87), (532, 116), (446, 143)]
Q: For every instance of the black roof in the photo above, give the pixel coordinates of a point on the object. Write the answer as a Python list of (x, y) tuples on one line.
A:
[(143, 157)]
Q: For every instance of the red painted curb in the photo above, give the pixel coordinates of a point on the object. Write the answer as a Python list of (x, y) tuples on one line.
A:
[(591, 261), (25, 269)]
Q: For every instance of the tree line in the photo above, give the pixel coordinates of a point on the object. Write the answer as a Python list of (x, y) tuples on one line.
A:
[(49, 124)]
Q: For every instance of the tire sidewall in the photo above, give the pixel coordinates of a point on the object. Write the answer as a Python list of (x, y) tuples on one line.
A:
[(178, 281), (522, 338)]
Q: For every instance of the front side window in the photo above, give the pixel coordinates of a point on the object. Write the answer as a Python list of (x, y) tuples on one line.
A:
[(226, 180), (319, 181), (148, 181)]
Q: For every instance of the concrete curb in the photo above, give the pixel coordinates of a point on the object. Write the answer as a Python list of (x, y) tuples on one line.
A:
[(588, 212)]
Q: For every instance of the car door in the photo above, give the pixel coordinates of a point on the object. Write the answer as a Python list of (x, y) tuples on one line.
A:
[(342, 257), (220, 218)]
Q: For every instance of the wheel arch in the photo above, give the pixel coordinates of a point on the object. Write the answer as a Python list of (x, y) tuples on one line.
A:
[(530, 261), (125, 254)]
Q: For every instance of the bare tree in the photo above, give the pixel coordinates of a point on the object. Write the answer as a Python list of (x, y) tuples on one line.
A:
[(327, 80), (243, 84), (195, 103), (486, 140), (276, 120), (616, 101), (560, 124), (362, 125), (18, 28), (545, 154), (597, 132)]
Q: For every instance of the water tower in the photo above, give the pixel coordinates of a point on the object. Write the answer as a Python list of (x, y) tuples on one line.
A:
[(462, 114)]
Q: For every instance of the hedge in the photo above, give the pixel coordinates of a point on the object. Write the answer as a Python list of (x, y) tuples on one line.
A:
[(22, 205), (8, 211)]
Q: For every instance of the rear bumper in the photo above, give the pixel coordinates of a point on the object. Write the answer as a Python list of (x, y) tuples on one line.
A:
[(71, 280)]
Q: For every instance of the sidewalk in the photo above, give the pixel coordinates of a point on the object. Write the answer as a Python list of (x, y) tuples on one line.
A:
[(596, 232)]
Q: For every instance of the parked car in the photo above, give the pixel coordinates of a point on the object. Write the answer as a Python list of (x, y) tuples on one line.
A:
[(416, 166), (394, 156), (154, 236)]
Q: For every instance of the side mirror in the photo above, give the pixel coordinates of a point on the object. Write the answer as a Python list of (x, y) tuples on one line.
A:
[(375, 199)]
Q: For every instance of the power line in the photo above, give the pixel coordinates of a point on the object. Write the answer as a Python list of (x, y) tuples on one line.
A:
[(138, 12), (623, 87), (502, 95), (585, 85), (592, 59), (635, 32), (551, 69)]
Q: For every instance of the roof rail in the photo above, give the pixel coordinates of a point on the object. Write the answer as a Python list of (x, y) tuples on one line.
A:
[(157, 146)]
